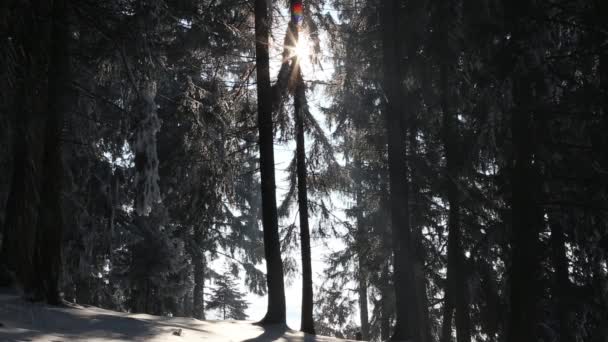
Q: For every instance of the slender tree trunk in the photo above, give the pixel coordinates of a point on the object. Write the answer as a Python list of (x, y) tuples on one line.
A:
[(526, 217), (361, 241), (561, 280), (417, 244), (385, 326), (526, 222), (363, 310), (525, 230), (140, 299), (448, 312), (199, 279), (307, 323), (385, 313), (272, 247), (456, 289), (307, 294), (406, 303)]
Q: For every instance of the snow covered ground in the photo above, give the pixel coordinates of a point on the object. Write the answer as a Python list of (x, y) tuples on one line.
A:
[(24, 321)]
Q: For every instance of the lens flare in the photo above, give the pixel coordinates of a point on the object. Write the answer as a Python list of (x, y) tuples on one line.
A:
[(301, 49), (297, 12)]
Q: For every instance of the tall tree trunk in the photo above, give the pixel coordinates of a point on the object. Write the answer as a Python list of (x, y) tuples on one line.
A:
[(307, 294), (526, 221), (456, 292), (385, 313), (448, 315), (526, 217), (272, 246), (561, 280), (417, 243), (32, 242), (140, 293), (361, 252), (525, 229), (198, 296), (50, 227), (188, 304), (363, 310), (307, 323), (406, 303)]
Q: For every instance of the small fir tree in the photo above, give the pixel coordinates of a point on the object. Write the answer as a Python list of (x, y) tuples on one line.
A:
[(228, 301)]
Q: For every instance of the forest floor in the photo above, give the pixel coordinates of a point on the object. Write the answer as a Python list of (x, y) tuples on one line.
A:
[(24, 321)]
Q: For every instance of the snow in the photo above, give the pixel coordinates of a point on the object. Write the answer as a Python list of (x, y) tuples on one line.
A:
[(24, 321)]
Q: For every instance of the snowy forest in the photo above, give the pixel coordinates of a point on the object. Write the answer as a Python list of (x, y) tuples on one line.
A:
[(420, 170)]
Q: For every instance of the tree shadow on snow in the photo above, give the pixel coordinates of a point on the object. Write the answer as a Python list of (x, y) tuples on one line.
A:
[(279, 331), (271, 333)]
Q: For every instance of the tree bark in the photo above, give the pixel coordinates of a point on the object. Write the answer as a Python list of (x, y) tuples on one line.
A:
[(50, 228), (525, 221), (385, 314), (561, 279), (198, 296), (307, 293), (32, 242), (363, 310), (272, 247), (406, 303), (361, 241), (307, 322), (448, 312), (525, 229), (417, 243), (526, 216), (456, 292)]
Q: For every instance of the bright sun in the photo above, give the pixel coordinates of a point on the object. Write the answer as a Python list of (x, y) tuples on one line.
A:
[(301, 49)]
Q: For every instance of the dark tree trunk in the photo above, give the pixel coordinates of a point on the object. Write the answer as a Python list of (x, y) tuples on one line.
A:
[(141, 289), (361, 252), (526, 217), (456, 293), (22, 202), (198, 296), (525, 230), (32, 241), (561, 280), (50, 225), (385, 313), (272, 246), (417, 244), (307, 294), (307, 322), (385, 326), (363, 310), (406, 303), (448, 312), (526, 222)]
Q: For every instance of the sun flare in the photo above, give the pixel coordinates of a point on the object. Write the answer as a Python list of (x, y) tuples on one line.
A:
[(301, 49)]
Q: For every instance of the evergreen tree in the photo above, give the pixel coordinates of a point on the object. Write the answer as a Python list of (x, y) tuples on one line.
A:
[(226, 300)]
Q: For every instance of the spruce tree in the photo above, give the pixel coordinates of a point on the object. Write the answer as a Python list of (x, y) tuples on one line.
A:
[(228, 301)]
